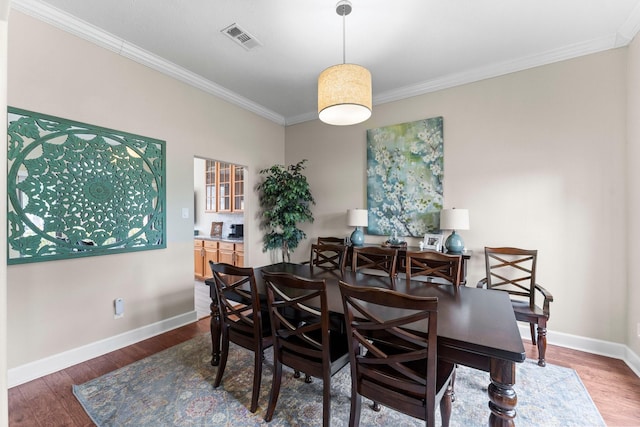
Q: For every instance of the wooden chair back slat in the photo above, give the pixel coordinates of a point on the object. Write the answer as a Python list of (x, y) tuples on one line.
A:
[(329, 256), (433, 264), (375, 258)]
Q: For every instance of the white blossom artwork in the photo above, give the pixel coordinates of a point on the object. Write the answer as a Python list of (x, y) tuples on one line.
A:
[(405, 170)]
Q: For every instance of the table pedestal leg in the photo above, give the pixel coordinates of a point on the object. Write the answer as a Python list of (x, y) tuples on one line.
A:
[(215, 333), (502, 396)]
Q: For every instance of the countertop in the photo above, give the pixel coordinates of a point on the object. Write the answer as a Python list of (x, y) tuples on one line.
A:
[(218, 239)]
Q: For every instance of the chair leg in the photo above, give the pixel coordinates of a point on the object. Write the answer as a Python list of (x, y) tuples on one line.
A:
[(326, 399), (453, 384), (542, 343), (223, 357), (533, 333), (257, 378), (356, 407), (445, 404), (275, 388)]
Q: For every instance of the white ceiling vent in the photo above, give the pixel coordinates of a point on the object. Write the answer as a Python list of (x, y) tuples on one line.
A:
[(240, 36)]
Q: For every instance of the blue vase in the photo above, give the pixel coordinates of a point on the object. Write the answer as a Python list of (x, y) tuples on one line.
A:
[(454, 243), (357, 237)]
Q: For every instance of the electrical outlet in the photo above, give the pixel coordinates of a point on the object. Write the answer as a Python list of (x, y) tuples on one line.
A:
[(185, 213), (118, 307)]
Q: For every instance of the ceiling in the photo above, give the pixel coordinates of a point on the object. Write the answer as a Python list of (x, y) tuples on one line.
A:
[(411, 47)]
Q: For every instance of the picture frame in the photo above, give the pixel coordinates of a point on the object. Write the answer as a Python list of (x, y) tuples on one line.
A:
[(216, 229), (432, 242)]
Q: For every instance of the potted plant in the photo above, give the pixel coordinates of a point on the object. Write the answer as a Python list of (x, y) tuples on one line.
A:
[(285, 200)]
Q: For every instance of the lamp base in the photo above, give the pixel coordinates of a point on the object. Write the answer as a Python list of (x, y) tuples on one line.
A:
[(454, 243), (357, 237)]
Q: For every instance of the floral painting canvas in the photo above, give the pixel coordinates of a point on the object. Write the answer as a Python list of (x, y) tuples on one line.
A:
[(405, 165)]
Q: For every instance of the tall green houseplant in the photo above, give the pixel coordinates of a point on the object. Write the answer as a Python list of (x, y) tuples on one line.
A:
[(285, 200)]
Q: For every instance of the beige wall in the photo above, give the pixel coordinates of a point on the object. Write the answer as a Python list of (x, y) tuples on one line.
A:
[(633, 195), (61, 305), (4, 17), (538, 157)]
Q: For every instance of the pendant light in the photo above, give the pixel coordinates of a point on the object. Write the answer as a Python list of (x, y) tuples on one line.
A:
[(344, 90)]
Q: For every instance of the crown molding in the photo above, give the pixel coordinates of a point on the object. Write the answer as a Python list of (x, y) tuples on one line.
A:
[(84, 30), (499, 69), (630, 28), (93, 34), (300, 118)]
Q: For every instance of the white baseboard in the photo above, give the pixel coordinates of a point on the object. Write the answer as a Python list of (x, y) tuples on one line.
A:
[(57, 362), (633, 361), (589, 345)]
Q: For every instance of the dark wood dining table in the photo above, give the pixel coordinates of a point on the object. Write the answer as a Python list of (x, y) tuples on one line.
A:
[(476, 327)]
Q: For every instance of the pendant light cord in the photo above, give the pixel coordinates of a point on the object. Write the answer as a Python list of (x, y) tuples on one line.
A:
[(344, 37)]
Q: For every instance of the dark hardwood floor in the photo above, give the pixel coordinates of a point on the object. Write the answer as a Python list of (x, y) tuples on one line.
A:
[(48, 401)]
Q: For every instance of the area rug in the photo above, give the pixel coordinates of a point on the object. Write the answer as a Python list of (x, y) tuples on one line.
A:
[(174, 388)]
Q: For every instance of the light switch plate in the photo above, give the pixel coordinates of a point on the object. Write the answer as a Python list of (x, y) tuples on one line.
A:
[(185, 213)]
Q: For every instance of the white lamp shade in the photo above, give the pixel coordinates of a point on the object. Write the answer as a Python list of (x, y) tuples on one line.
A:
[(454, 219), (344, 95), (357, 218)]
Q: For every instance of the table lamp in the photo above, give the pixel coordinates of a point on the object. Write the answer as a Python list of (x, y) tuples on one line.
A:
[(357, 218), (454, 219)]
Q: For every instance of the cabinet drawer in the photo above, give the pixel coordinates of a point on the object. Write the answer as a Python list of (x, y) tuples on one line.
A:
[(210, 244), (239, 247), (226, 246), (198, 243)]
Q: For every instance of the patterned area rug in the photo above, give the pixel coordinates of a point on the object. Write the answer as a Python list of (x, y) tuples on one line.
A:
[(174, 388)]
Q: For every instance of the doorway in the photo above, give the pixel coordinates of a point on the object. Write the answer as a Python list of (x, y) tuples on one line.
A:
[(218, 191)]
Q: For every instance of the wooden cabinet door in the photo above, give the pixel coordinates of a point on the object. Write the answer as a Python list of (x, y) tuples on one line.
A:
[(225, 253), (198, 258), (239, 255), (211, 186), (238, 189), (210, 254), (224, 187)]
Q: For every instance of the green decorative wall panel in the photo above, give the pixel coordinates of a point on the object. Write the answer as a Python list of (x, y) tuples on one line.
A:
[(81, 190)]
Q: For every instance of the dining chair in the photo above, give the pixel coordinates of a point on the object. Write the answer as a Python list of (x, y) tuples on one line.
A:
[(370, 258), (513, 270), (329, 256), (330, 240), (392, 363), (243, 323), (301, 336), (433, 265)]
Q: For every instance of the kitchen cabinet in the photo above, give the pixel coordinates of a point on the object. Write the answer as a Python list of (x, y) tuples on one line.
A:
[(231, 253), (238, 189), (203, 252), (210, 186), (239, 251), (224, 187), (198, 257)]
